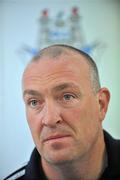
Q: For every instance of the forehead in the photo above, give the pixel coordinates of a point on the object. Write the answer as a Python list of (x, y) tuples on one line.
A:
[(65, 61), (64, 68)]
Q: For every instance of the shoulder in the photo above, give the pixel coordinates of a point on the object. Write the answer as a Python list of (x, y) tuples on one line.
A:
[(112, 143), (113, 153), (17, 175)]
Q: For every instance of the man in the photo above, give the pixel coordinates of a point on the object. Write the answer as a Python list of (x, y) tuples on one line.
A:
[(65, 107)]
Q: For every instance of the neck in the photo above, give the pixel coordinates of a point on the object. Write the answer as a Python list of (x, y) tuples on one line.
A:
[(85, 169)]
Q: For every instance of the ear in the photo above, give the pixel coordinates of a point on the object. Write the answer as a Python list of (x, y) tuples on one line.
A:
[(103, 100)]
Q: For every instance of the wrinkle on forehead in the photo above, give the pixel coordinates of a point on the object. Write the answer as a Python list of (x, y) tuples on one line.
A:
[(49, 78), (48, 71)]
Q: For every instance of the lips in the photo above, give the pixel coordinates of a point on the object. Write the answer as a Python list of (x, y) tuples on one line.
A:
[(56, 137)]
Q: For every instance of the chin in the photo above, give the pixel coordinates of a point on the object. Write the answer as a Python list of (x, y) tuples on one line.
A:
[(58, 161), (58, 157)]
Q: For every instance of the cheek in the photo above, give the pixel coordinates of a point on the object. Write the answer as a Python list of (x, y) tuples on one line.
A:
[(83, 120), (34, 124), (85, 125)]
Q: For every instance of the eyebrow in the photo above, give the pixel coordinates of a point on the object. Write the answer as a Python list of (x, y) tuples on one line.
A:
[(65, 86), (56, 88), (31, 92)]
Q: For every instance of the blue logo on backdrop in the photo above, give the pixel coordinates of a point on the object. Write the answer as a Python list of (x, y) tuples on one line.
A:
[(62, 28)]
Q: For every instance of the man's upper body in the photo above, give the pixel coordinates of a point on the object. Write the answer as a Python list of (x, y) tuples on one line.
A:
[(65, 107)]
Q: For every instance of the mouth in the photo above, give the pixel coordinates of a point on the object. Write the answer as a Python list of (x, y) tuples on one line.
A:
[(56, 138)]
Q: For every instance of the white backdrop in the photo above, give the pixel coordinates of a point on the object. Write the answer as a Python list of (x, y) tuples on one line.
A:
[(18, 25)]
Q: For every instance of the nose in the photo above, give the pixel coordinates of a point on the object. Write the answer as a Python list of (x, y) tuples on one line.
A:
[(51, 114)]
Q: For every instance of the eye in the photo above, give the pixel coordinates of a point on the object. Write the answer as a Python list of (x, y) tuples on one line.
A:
[(68, 97), (33, 103)]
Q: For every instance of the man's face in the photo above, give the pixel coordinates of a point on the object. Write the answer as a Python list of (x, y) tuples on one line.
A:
[(62, 110)]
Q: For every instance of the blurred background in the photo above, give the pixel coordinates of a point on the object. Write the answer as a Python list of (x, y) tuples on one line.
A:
[(29, 25)]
